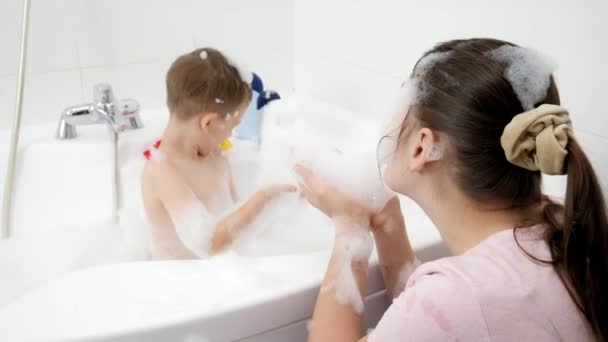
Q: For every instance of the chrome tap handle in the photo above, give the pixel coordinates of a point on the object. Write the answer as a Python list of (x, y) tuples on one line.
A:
[(117, 114), (103, 93), (128, 114), (103, 96)]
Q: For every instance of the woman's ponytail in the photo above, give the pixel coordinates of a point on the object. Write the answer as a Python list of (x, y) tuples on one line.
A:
[(578, 239)]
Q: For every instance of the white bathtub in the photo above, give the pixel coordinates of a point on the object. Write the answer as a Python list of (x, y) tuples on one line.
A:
[(63, 191)]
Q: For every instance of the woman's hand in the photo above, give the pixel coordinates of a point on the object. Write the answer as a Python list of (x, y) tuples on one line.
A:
[(389, 219), (347, 269), (388, 229), (327, 198)]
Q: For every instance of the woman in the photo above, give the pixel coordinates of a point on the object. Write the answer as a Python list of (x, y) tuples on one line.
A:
[(481, 123)]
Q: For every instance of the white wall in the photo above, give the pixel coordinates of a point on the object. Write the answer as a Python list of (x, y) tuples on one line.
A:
[(131, 43), (351, 52), (355, 52)]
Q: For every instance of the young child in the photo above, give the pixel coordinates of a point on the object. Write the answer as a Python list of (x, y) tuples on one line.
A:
[(187, 186)]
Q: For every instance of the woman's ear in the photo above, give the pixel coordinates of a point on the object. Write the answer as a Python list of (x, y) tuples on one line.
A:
[(425, 149), (206, 120)]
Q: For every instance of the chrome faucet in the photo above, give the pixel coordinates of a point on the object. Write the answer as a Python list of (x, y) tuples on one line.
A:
[(118, 115), (105, 109)]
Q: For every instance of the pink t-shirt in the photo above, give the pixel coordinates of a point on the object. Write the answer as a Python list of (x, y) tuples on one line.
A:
[(493, 292)]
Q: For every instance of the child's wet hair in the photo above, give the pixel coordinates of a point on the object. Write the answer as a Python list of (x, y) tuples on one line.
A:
[(205, 80)]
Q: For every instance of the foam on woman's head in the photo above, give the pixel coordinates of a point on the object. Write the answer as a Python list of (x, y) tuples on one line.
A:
[(391, 128), (412, 92), (424, 65), (527, 70)]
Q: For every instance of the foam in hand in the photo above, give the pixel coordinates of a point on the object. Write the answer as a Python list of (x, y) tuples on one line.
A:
[(354, 246), (347, 162)]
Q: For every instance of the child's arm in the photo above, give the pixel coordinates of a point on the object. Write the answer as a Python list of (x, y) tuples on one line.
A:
[(232, 223), (233, 193), (200, 231), (229, 225)]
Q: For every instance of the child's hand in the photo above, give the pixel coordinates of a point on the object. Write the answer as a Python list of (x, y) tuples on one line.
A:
[(277, 189), (328, 199)]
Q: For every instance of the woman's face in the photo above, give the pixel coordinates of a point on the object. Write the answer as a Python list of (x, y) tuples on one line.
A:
[(395, 169), (391, 152), (392, 147), (417, 153), (407, 149)]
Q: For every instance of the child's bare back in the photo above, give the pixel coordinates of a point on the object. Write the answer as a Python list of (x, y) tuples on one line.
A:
[(170, 180), (187, 187)]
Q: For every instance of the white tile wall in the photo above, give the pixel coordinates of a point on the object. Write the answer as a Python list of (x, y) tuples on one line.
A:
[(7, 99), (350, 51), (130, 43), (359, 89), (596, 147), (52, 36), (117, 32), (47, 94), (10, 29), (261, 31), (143, 81)]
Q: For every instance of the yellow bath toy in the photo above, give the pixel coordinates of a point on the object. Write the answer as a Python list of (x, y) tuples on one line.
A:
[(226, 145)]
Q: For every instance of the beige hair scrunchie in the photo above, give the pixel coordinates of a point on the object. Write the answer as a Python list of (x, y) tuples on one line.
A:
[(537, 139)]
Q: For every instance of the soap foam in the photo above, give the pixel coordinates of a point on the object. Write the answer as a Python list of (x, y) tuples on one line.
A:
[(389, 134), (435, 154), (427, 62), (347, 162), (352, 246), (194, 226), (28, 260), (424, 65), (288, 225), (528, 71), (412, 92)]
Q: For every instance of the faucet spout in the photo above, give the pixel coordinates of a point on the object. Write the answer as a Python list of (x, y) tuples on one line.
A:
[(73, 116), (105, 109)]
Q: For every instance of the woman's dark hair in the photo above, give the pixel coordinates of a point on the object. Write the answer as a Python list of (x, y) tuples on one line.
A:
[(469, 99)]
